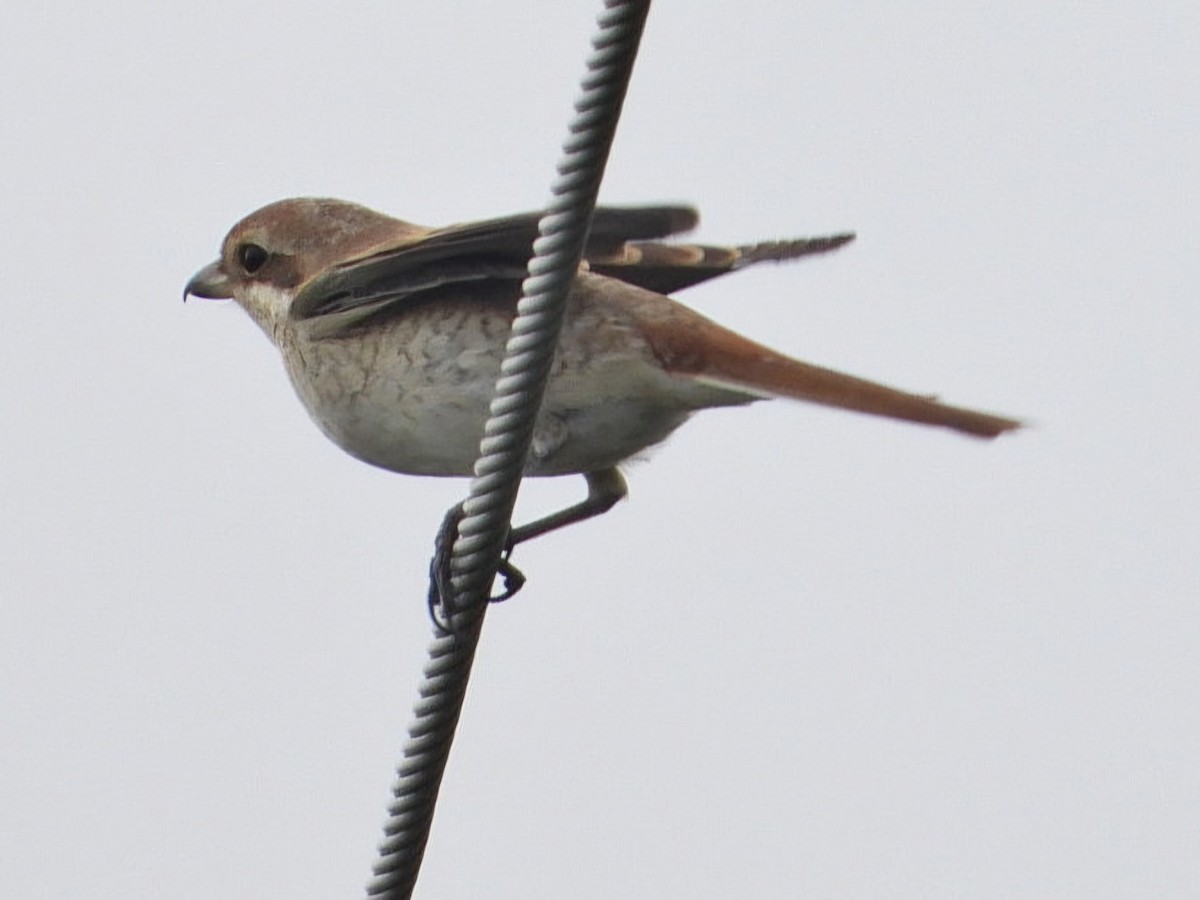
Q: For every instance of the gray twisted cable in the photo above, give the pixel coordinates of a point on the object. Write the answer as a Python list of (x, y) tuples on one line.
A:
[(505, 446)]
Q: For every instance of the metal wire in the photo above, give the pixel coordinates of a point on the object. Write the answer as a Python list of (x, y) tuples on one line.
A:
[(505, 446)]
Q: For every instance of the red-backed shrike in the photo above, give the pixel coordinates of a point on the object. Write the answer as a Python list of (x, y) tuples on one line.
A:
[(392, 334)]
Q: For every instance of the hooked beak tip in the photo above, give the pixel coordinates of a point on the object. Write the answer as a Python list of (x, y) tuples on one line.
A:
[(209, 283)]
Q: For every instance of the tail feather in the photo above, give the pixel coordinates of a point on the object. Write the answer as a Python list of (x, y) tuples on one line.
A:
[(689, 345)]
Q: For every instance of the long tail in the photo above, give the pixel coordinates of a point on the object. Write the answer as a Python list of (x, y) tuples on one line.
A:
[(692, 346)]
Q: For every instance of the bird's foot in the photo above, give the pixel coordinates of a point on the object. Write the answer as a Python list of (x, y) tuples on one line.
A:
[(444, 607)]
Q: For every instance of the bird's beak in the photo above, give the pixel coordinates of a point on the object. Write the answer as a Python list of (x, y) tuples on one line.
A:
[(210, 283)]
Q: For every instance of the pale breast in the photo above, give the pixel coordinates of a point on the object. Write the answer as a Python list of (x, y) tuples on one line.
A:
[(411, 393)]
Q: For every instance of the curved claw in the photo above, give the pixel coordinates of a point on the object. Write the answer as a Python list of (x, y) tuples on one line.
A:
[(442, 600)]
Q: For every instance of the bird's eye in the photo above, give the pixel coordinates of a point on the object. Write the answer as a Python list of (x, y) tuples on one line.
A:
[(251, 257)]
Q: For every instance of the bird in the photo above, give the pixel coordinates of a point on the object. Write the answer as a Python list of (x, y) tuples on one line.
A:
[(392, 334)]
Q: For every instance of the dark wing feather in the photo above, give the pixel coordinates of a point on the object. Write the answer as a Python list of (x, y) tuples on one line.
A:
[(493, 248), (623, 244), (667, 268)]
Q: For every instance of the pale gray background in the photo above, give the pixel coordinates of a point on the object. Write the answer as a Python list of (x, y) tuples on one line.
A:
[(815, 655)]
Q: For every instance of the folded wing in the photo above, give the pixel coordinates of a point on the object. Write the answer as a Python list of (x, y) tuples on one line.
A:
[(623, 243)]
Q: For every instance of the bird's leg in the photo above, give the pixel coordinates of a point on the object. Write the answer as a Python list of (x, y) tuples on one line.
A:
[(605, 488)]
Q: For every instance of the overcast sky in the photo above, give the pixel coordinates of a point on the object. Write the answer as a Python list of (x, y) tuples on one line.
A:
[(815, 654)]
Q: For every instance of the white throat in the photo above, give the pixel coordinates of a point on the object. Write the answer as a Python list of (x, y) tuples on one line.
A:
[(268, 306)]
